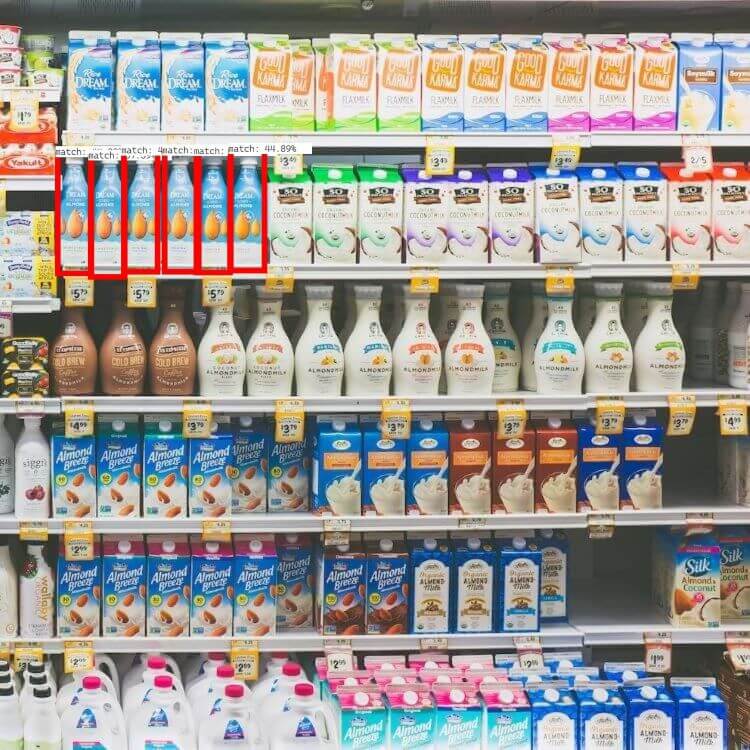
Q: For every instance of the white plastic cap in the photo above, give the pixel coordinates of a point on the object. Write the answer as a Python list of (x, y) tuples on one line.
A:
[(361, 699), (729, 172), (386, 545), (519, 542), (649, 692), (510, 174), (411, 698), (629, 674), (457, 696), (599, 695), (168, 546), (599, 173), (124, 546), (473, 543), (505, 696), (641, 172), (430, 544), (551, 695), (350, 681), (118, 425), (698, 693), (398, 680)]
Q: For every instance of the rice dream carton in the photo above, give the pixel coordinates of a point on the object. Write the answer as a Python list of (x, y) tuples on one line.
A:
[(138, 84), (183, 82), (227, 85), (90, 81)]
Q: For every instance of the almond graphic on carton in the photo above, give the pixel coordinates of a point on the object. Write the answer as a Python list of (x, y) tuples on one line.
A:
[(173, 632), (83, 510), (116, 495), (249, 473), (259, 599), (123, 478), (293, 471), (683, 602), (215, 601), (162, 497), (219, 511), (92, 471), (186, 591), (230, 592), (296, 590), (289, 605), (351, 630), (251, 616), (170, 479), (142, 591), (96, 591), (208, 498), (126, 510), (71, 496), (252, 504), (165, 617), (395, 629), (391, 599), (172, 599), (121, 616), (208, 617), (348, 600), (75, 617), (137, 470), (85, 630), (77, 480), (263, 465), (215, 479), (298, 620), (131, 631), (82, 600), (243, 489), (184, 471), (173, 511), (218, 632), (128, 600)]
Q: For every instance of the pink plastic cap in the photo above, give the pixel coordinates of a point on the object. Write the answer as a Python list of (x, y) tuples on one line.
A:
[(304, 689), (216, 656), (163, 681), (92, 682), (235, 690), (225, 670), (290, 669), (156, 662)]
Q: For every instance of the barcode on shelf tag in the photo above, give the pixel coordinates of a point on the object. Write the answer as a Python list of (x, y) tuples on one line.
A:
[(472, 522), (697, 154), (216, 530), (79, 292), (216, 291), (141, 291), (566, 151), (738, 648), (425, 280), (658, 653), (681, 413), (439, 156), (79, 420), (245, 658), (395, 418), (290, 420), (610, 416), (79, 540), (78, 656), (196, 420), (433, 644), (529, 649), (6, 318), (339, 656), (280, 279), (336, 531), (33, 531), (559, 281), (600, 525), (511, 419), (732, 417), (24, 653), (685, 276)]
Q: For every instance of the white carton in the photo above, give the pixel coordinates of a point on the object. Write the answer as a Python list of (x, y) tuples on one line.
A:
[(270, 82), (526, 92), (322, 84), (484, 82), (226, 83), (90, 81), (399, 83), (303, 85), (183, 82), (442, 82), (655, 82), (611, 80), (567, 82), (138, 81), (352, 62), (557, 215)]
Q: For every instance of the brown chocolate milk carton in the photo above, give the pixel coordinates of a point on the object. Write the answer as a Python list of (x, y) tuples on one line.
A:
[(555, 470), (341, 578), (470, 442), (513, 461), (387, 587)]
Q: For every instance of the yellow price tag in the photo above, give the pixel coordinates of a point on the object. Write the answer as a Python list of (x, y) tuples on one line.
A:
[(566, 152), (559, 281), (681, 413), (216, 291), (78, 656), (280, 279), (697, 154), (685, 276), (196, 420), (245, 659), (79, 420), (288, 165), (439, 157), (79, 292), (142, 291), (25, 653), (658, 653), (43, 271), (24, 110), (33, 531), (215, 530), (79, 540), (5, 651), (395, 418), (610, 416), (511, 419), (601, 525), (425, 280), (290, 420), (3, 199), (738, 648), (732, 417)]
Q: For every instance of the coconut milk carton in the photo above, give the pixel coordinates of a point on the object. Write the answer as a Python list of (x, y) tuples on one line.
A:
[(735, 572), (138, 81), (689, 213), (645, 211), (381, 207), (399, 83), (183, 82), (79, 594), (425, 216), (211, 583), (699, 100), (411, 716), (73, 474), (600, 189), (468, 216), (427, 466), (168, 586), (290, 218), (611, 82), (735, 82), (484, 82), (442, 82), (602, 716), (519, 586), (557, 215), (459, 714), (249, 468), (526, 93), (323, 84), (123, 587), (567, 82), (701, 713), (730, 212), (655, 90), (119, 460), (303, 85), (651, 714), (227, 85), (210, 461), (334, 213), (511, 213), (165, 467), (431, 574), (294, 601), (554, 716), (352, 62), (474, 586), (90, 81), (254, 578), (270, 82)]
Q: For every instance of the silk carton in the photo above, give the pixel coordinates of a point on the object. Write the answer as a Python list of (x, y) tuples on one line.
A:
[(399, 83), (735, 572)]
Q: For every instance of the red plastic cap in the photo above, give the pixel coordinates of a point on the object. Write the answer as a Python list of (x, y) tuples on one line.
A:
[(163, 681), (225, 670), (290, 669), (156, 662), (304, 689), (92, 682), (217, 656), (235, 690)]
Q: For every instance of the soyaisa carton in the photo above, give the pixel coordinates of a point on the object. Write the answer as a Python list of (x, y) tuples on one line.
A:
[(90, 80), (118, 465), (362, 718), (381, 213), (168, 586), (511, 213), (655, 82), (211, 586), (519, 586), (468, 216), (513, 473), (254, 578), (399, 83), (567, 82), (123, 587), (227, 82), (427, 467), (290, 217), (289, 472), (555, 472), (79, 594), (600, 189), (210, 462), (730, 212), (644, 211), (352, 62), (303, 85), (425, 215), (183, 82), (334, 213), (442, 82), (294, 601), (651, 713), (557, 224), (598, 459), (165, 467), (507, 717), (387, 587), (431, 573), (701, 713), (138, 76), (735, 82), (602, 715), (341, 584), (526, 92), (73, 474), (689, 226), (323, 84), (249, 466), (337, 462), (641, 468), (458, 714), (699, 92), (470, 491), (611, 82), (411, 716), (473, 593), (484, 82), (270, 82), (735, 572), (553, 605), (554, 715), (383, 466)]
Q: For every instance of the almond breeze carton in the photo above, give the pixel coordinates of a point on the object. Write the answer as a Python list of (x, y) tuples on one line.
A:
[(399, 83), (526, 93), (90, 81), (362, 718), (303, 85), (294, 601), (138, 81), (699, 97), (567, 82), (387, 587), (73, 474), (270, 82), (210, 461), (411, 717), (484, 82), (442, 82), (352, 62), (211, 583), (507, 717), (249, 466), (168, 586), (123, 587), (655, 91), (644, 211), (289, 475), (254, 580), (183, 82), (165, 467), (735, 82), (118, 465), (611, 101), (79, 595), (511, 213), (341, 590), (227, 84), (459, 713)]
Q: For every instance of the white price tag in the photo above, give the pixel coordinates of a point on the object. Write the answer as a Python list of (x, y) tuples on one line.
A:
[(6, 318), (339, 656), (696, 153), (529, 650), (658, 653)]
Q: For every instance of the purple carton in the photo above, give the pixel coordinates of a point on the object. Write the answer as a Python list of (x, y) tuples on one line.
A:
[(210, 462), (123, 587), (425, 215), (168, 586), (255, 573), (468, 216), (249, 471), (383, 472), (387, 587), (294, 590), (289, 475), (211, 587), (511, 213)]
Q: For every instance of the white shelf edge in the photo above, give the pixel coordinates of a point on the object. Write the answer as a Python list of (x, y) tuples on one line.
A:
[(47, 94), (27, 183), (33, 304)]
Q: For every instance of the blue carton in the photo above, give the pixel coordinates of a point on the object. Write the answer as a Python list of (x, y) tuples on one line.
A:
[(78, 590), (624, 671), (735, 82), (123, 587), (210, 468), (427, 467), (598, 460), (701, 713), (383, 473), (119, 461), (249, 472), (700, 83), (387, 587), (431, 590), (255, 572), (165, 467), (168, 586), (554, 716), (73, 474), (553, 599), (519, 589), (473, 591), (651, 713), (337, 464), (641, 468), (289, 475), (602, 716)]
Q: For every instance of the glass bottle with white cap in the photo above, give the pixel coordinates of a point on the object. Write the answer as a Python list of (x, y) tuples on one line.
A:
[(505, 344)]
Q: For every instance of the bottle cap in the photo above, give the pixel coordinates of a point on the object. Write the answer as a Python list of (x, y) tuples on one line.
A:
[(303, 690), (290, 669), (156, 662), (235, 690), (225, 671), (92, 682), (163, 681)]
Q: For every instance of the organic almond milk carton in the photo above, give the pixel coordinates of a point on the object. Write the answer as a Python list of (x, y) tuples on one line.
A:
[(611, 101), (352, 61), (399, 83), (655, 88), (567, 82), (303, 85), (442, 82), (270, 82), (90, 81), (484, 82), (526, 92)]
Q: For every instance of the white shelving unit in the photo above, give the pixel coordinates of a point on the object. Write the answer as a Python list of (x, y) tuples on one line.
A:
[(28, 183), (34, 304)]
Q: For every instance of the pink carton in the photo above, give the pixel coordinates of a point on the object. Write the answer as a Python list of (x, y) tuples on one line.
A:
[(168, 586), (376, 662), (611, 82), (440, 675), (567, 82), (428, 659), (256, 565), (211, 585), (385, 677), (481, 678), (411, 716), (655, 82)]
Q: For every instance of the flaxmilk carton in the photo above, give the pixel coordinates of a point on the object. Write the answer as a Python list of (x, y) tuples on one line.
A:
[(644, 211), (735, 572), (442, 82), (303, 85), (341, 590), (254, 579), (699, 93), (655, 82), (425, 216), (210, 461), (468, 216), (79, 594), (211, 584), (427, 467), (411, 717), (611, 82), (519, 586), (701, 713), (138, 81), (730, 212), (352, 62), (270, 82), (735, 82), (431, 589), (123, 587), (249, 466), (168, 586), (557, 215), (323, 84), (598, 460), (690, 212), (568, 82), (602, 721), (73, 474), (337, 464), (183, 82), (554, 716), (484, 82), (473, 594), (165, 467), (399, 83), (553, 604), (383, 472), (526, 93), (334, 213), (651, 714), (458, 717), (90, 81), (118, 465), (387, 587), (290, 218), (227, 84), (294, 601), (289, 476), (381, 213), (507, 717), (600, 188), (511, 213)]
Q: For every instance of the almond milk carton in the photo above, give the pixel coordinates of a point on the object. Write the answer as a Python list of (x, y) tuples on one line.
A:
[(303, 85), (211, 582), (168, 586), (526, 92), (399, 83), (270, 82), (255, 573), (484, 82), (442, 82), (611, 81), (567, 82), (655, 82), (352, 61)]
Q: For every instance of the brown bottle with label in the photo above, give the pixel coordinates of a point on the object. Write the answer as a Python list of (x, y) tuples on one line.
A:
[(73, 356), (172, 355), (123, 353)]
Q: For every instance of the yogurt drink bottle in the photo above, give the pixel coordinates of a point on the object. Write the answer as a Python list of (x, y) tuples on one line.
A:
[(738, 330)]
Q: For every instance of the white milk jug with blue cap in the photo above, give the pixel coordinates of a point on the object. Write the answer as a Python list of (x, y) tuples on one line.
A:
[(163, 721), (231, 725), (305, 723), (94, 721)]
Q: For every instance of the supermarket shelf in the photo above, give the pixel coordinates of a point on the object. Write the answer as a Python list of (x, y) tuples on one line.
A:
[(29, 406), (28, 184), (34, 304), (46, 94)]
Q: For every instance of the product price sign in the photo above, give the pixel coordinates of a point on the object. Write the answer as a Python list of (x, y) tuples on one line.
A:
[(702, 522), (336, 531), (24, 110), (3, 199), (681, 413), (280, 279), (78, 538), (142, 291), (472, 522), (216, 530), (685, 276), (433, 644), (196, 420), (600, 525), (290, 420), (425, 281), (216, 291), (697, 154), (738, 648), (658, 653), (25, 653), (395, 418), (566, 152), (610, 416), (6, 318), (529, 649), (732, 417), (339, 656), (439, 157), (245, 658), (288, 165), (79, 292), (511, 419), (78, 656), (79, 420), (33, 531), (559, 281)]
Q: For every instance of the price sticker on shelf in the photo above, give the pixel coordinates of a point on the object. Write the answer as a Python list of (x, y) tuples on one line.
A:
[(6, 318), (339, 656), (529, 649), (681, 413), (216, 291), (43, 273), (78, 538), (697, 154), (216, 530), (738, 648), (25, 653), (336, 531), (24, 110), (600, 525), (79, 420), (439, 157), (288, 165), (511, 419), (732, 417), (559, 281), (685, 276), (5, 651), (280, 279), (658, 653), (699, 522), (472, 522), (245, 658), (142, 291), (433, 644), (78, 656), (33, 531), (79, 292), (425, 281), (395, 418), (566, 152), (290, 420), (196, 420), (610, 416), (29, 407)]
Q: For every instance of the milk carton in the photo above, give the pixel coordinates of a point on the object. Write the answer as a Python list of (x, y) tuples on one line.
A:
[(211, 585), (442, 82), (730, 212), (507, 718), (289, 472), (90, 81), (341, 590), (641, 469), (138, 77), (431, 574), (600, 190), (651, 714), (483, 82), (555, 472), (655, 89), (699, 100), (383, 466), (290, 218), (624, 671), (519, 586), (381, 213), (425, 216), (611, 82), (735, 572), (701, 713), (294, 600), (352, 64), (387, 587), (689, 213), (458, 714), (227, 85), (427, 466), (249, 466), (362, 718), (254, 579), (270, 82), (303, 85), (123, 587), (602, 716), (323, 84), (511, 213), (468, 216), (557, 215), (567, 82), (334, 213), (118, 465), (512, 473), (210, 463), (411, 717), (526, 93), (560, 661), (183, 82), (735, 82), (598, 481), (399, 83), (470, 491), (73, 474), (79, 594), (337, 461), (168, 586), (644, 211), (554, 716), (473, 586), (165, 467), (553, 604)]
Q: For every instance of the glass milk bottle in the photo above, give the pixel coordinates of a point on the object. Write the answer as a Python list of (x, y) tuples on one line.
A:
[(319, 359), (416, 354), (659, 352), (141, 216), (367, 355), (738, 340), (32, 471), (531, 335), (609, 356), (558, 358), (504, 340), (700, 348), (107, 209), (445, 320), (732, 291), (221, 356), (270, 356)]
